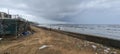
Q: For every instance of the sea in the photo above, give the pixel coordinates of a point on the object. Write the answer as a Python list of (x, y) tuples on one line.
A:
[(110, 31)]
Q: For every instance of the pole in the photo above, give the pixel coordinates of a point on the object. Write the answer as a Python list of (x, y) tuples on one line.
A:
[(16, 29), (8, 13)]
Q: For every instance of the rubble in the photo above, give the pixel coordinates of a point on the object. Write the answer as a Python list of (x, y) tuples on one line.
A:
[(1, 39), (99, 48), (94, 46)]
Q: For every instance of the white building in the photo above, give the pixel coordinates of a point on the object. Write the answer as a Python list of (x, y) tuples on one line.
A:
[(4, 15)]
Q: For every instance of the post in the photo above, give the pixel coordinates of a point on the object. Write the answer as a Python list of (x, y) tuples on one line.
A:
[(8, 13), (16, 30)]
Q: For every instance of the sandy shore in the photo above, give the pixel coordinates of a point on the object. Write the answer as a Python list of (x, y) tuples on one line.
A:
[(51, 42)]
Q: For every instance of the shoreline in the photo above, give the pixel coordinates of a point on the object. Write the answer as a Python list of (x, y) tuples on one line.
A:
[(92, 38), (55, 42)]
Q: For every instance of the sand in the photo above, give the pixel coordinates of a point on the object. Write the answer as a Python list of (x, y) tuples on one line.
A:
[(51, 42)]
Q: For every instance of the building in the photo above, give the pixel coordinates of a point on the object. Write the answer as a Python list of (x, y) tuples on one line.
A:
[(4, 15), (13, 26)]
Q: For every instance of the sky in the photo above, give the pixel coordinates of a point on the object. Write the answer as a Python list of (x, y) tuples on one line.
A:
[(65, 11)]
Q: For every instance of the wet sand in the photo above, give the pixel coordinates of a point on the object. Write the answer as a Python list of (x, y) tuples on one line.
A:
[(51, 42)]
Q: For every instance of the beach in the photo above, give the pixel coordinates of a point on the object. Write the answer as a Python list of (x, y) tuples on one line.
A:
[(45, 41)]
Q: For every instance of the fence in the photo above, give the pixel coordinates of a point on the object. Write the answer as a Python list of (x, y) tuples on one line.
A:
[(12, 26)]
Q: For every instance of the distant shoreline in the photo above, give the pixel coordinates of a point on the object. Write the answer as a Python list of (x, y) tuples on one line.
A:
[(101, 40)]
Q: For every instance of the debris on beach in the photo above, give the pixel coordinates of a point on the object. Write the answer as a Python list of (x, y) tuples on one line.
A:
[(93, 46), (1, 39), (44, 46)]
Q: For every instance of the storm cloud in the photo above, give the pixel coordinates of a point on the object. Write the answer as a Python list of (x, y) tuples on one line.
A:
[(66, 11)]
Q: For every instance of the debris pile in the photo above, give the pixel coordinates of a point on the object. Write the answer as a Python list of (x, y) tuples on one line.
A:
[(99, 49)]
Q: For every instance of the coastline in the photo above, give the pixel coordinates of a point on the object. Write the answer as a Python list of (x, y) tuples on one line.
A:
[(48, 41), (93, 38)]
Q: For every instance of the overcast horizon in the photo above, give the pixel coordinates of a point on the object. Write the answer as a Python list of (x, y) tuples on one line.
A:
[(65, 11)]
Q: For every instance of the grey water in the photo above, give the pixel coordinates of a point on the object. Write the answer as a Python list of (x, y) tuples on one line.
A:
[(110, 31)]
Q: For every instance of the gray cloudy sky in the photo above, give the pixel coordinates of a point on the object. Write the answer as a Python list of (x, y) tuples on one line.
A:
[(65, 11)]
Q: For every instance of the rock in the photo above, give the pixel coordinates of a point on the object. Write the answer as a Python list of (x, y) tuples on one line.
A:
[(96, 53), (106, 51), (107, 48), (94, 47), (1, 38), (114, 53)]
